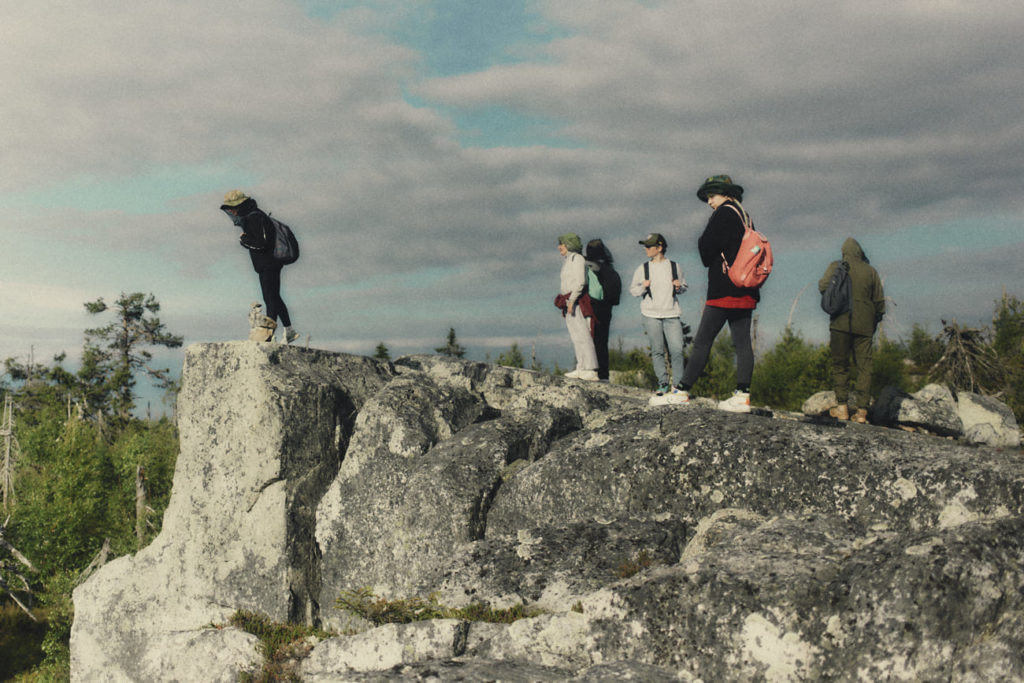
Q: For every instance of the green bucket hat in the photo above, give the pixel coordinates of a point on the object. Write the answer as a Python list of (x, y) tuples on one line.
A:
[(572, 242), (720, 184)]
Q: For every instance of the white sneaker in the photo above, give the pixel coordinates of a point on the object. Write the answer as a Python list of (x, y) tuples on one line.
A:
[(678, 397), (290, 336), (587, 375), (573, 374), (739, 402)]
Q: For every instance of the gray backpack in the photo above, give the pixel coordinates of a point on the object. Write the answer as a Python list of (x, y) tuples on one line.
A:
[(838, 295)]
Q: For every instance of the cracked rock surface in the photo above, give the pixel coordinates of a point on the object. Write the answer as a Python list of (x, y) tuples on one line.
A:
[(666, 543)]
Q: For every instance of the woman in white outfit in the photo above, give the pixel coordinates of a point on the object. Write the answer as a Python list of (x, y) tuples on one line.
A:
[(572, 287)]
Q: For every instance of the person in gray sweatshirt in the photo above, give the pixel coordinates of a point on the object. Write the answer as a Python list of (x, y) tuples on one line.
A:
[(657, 283)]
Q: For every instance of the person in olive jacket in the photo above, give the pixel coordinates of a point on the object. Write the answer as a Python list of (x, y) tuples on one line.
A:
[(851, 333)]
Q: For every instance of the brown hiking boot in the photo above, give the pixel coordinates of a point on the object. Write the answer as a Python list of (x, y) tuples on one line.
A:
[(861, 416), (840, 412)]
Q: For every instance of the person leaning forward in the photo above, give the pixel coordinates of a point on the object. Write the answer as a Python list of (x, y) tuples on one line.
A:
[(258, 236), (851, 333)]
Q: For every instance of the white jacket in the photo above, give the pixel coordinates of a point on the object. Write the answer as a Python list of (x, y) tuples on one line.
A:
[(573, 277)]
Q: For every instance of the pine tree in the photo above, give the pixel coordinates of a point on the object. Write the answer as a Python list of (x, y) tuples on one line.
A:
[(513, 358), (453, 348), (114, 353)]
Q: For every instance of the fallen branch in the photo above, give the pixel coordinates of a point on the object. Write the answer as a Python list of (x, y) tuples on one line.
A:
[(8, 566)]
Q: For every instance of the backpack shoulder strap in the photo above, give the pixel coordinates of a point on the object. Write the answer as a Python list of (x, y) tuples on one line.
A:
[(747, 227), (744, 217)]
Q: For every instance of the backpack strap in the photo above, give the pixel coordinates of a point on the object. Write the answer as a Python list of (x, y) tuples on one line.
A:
[(747, 225), (744, 216), (647, 276)]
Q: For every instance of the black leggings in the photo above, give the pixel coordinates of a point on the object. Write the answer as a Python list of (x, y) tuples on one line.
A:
[(270, 284), (711, 323)]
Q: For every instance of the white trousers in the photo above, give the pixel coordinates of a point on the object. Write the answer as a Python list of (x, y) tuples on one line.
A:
[(582, 342)]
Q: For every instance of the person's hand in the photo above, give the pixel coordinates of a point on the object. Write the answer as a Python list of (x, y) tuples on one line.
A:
[(677, 284), (646, 284)]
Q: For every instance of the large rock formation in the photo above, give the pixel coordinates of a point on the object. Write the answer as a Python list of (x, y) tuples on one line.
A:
[(674, 543)]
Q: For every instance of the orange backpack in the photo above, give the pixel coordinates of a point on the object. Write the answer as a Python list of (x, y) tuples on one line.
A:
[(753, 262)]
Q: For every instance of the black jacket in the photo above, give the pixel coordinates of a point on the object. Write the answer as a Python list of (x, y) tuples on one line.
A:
[(723, 235), (258, 235)]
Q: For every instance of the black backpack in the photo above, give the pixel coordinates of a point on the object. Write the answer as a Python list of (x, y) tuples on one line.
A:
[(838, 295), (286, 247), (611, 283)]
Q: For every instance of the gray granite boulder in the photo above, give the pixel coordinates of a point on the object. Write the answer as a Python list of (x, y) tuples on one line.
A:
[(987, 421), (819, 403), (932, 409), (262, 430), (670, 543)]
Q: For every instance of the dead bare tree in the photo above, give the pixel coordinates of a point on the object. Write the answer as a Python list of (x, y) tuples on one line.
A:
[(98, 561), (142, 508), (968, 361), (10, 568), (10, 453)]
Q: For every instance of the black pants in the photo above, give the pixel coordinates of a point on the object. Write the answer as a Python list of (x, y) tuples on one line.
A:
[(603, 313), (270, 284), (711, 323)]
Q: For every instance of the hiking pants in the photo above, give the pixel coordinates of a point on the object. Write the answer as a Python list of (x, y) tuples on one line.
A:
[(582, 342), (711, 323), (270, 285), (603, 313), (847, 347), (662, 331)]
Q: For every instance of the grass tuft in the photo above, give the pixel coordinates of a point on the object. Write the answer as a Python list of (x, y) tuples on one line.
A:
[(378, 610), (281, 644), (634, 566)]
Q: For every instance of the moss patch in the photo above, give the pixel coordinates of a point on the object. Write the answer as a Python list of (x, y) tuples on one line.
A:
[(380, 610)]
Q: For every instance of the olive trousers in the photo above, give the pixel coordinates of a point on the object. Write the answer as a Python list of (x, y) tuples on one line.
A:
[(851, 363)]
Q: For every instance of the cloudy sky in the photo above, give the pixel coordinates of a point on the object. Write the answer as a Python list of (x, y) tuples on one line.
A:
[(428, 153)]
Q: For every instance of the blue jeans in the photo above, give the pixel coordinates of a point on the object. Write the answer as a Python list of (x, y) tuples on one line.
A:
[(661, 331)]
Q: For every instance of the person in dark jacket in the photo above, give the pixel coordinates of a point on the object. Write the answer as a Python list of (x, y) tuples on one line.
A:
[(726, 303), (258, 236), (599, 260), (851, 333)]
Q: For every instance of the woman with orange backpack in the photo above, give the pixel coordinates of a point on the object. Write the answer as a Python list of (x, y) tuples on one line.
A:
[(726, 302)]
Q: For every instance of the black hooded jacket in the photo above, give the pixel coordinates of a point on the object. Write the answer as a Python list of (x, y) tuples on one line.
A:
[(258, 235)]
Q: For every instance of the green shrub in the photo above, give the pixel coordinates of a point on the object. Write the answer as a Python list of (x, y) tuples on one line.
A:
[(719, 377), (21, 641), (633, 368), (791, 372)]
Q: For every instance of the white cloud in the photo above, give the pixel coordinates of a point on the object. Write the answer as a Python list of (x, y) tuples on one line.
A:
[(855, 119)]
